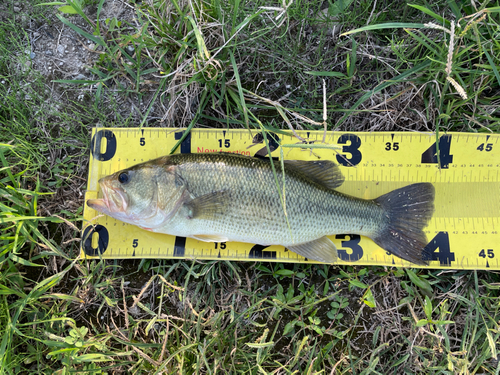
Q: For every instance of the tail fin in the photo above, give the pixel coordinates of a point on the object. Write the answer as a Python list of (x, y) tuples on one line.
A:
[(407, 212)]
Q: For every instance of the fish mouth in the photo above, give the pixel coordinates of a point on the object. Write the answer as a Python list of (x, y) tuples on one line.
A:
[(100, 205), (113, 200)]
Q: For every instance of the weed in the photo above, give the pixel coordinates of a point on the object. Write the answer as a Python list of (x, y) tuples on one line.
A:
[(234, 64)]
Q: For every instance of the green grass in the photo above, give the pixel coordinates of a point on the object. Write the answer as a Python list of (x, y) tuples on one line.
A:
[(234, 64)]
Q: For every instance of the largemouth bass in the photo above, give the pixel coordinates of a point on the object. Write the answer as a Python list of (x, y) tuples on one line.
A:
[(220, 197)]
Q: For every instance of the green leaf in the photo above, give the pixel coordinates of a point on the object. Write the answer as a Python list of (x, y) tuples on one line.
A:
[(326, 288), (421, 283), (428, 307), (422, 322), (261, 345), (345, 274), (52, 3), (403, 359), (368, 298), (24, 262), (4, 290), (202, 48), (493, 66), (443, 322), (242, 102), (318, 330), (490, 286), (67, 9), (358, 283), (285, 272), (262, 268), (70, 339), (390, 25), (454, 8), (429, 12), (406, 299), (327, 74), (289, 326), (92, 357), (62, 296), (492, 344), (85, 34), (339, 7)]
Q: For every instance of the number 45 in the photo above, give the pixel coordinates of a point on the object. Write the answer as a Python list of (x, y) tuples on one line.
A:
[(488, 147), (488, 253)]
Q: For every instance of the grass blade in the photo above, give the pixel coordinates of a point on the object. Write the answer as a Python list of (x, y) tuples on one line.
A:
[(429, 12), (390, 25), (83, 33), (383, 86), (240, 89), (493, 66)]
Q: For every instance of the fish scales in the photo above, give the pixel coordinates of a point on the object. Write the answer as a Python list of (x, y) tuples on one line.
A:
[(254, 211)]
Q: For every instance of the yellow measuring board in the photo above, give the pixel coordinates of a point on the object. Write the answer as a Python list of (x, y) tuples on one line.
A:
[(463, 232)]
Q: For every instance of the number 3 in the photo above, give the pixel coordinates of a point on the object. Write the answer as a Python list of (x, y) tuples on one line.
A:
[(357, 251)]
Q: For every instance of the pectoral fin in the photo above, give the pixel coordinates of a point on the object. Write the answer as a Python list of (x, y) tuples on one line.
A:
[(207, 206), (322, 250), (323, 172), (210, 238)]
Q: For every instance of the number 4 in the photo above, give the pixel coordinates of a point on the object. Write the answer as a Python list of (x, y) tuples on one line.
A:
[(440, 242), (445, 158)]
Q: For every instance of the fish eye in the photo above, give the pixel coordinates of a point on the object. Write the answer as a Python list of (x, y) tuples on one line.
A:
[(124, 178)]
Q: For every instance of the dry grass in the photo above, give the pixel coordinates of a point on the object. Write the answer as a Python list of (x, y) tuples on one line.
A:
[(221, 317)]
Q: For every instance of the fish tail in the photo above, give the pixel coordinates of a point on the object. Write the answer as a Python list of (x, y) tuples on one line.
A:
[(407, 211)]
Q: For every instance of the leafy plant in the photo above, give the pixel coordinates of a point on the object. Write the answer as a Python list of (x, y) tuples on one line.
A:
[(62, 171), (338, 305)]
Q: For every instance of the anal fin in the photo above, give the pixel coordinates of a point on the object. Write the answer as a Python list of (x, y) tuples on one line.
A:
[(322, 250)]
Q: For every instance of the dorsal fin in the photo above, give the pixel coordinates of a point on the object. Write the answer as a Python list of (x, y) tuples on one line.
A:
[(323, 172)]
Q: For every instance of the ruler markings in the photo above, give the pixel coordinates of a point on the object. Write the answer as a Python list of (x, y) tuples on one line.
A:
[(376, 165)]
